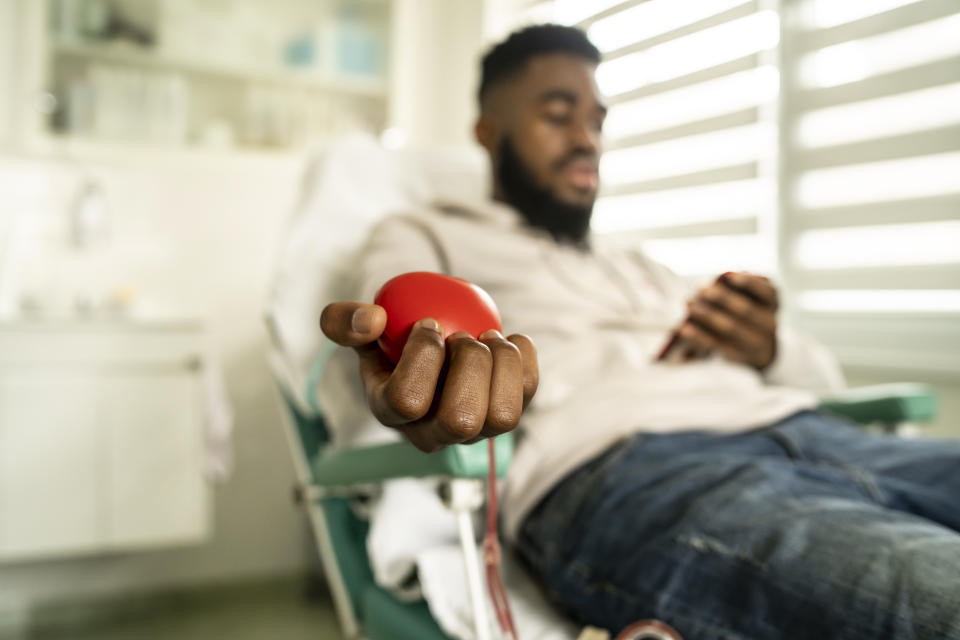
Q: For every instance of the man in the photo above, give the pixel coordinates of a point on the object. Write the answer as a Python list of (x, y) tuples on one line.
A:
[(709, 493)]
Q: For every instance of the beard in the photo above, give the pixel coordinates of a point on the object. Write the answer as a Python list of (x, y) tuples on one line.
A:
[(538, 206)]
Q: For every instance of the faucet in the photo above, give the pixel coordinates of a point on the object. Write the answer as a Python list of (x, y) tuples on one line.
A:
[(87, 224)]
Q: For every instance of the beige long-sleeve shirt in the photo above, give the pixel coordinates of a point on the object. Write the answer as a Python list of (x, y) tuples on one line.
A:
[(598, 318)]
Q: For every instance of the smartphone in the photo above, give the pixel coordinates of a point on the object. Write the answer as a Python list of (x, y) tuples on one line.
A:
[(677, 350)]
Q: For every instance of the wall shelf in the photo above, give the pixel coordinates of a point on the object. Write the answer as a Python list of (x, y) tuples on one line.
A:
[(229, 78), (133, 56)]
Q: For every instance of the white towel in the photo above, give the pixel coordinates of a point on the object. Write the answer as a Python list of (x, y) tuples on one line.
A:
[(218, 454)]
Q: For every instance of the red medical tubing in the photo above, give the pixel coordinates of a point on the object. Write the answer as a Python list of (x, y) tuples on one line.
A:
[(491, 553)]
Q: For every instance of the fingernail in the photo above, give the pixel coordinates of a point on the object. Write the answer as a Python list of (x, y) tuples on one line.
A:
[(429, 323), (362, 319), (491, 334)]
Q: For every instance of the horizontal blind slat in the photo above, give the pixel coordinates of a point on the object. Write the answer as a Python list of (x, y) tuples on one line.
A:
[(733, 226), (744, 63), (745, 171), (894, 19), (585, 23), (881, 278), (707, 125), (908, 145), (741, 11), (923, 76), (931, 209)]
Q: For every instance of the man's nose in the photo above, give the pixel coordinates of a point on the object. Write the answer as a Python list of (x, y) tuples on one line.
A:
[(585, 138)]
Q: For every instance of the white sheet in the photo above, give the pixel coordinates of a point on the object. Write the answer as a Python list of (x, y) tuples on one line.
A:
[(411, 530)]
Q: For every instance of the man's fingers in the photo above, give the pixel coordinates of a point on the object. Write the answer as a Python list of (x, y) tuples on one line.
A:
[(697, 338), (407, 394), (695, 351), (438, 393), (353, 324), (757, 286), (740, 306), (724, 297), (375, 369), (715, 320), (427, 435), (513, 381), (506, 385), (462, 411), (726, 327), (531, 368)]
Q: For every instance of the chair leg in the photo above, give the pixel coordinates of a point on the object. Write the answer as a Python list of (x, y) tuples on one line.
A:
[(309, 497), (465, 497), (338, 589)]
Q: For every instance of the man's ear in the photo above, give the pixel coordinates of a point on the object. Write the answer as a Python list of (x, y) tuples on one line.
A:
[(487, 132)]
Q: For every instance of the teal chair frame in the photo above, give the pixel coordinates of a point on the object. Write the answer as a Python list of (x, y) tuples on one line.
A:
[(329, 479)]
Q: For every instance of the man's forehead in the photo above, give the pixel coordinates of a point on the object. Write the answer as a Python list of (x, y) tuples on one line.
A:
[(550, 72), (543, 76)]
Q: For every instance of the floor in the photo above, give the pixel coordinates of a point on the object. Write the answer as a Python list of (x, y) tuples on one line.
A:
[(278, 610)]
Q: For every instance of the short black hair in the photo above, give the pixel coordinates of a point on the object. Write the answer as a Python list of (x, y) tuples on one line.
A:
[(510, 56)]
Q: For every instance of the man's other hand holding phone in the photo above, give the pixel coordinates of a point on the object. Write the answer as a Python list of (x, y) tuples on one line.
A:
[(735, 316)]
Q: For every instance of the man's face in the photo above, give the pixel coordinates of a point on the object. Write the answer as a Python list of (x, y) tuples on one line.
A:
[(551, 115)]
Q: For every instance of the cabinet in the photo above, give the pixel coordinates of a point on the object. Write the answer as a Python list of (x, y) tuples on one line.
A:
[(101, 438)]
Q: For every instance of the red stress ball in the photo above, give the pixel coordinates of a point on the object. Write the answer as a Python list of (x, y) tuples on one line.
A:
[(456, 304)]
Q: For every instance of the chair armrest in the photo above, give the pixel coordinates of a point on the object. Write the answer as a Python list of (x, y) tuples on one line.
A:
[(363, 465), (888, 403)]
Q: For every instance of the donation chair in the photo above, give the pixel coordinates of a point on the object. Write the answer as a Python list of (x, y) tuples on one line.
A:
[(333, 480), (328, 480)]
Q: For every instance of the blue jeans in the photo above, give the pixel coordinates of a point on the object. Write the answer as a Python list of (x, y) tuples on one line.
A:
[(808, 528)]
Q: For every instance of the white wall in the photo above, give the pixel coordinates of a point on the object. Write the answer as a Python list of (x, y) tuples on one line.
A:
[(8, 40), (436, 53)]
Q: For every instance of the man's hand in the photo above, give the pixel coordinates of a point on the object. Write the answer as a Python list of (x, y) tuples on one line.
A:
[(737, 316), (440, 392)]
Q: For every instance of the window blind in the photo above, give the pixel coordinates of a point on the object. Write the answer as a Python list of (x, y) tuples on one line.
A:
[(816, 140), (870, 172), (691, 132)]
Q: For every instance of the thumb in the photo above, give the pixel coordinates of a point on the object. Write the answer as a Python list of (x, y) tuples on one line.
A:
[(353, 324)]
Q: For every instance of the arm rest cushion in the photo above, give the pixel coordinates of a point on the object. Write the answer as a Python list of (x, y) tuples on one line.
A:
[(889, 404), (401, 460)]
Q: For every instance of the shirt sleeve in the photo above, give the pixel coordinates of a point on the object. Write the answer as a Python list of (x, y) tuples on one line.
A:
[(804, 363), (397, 245)]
